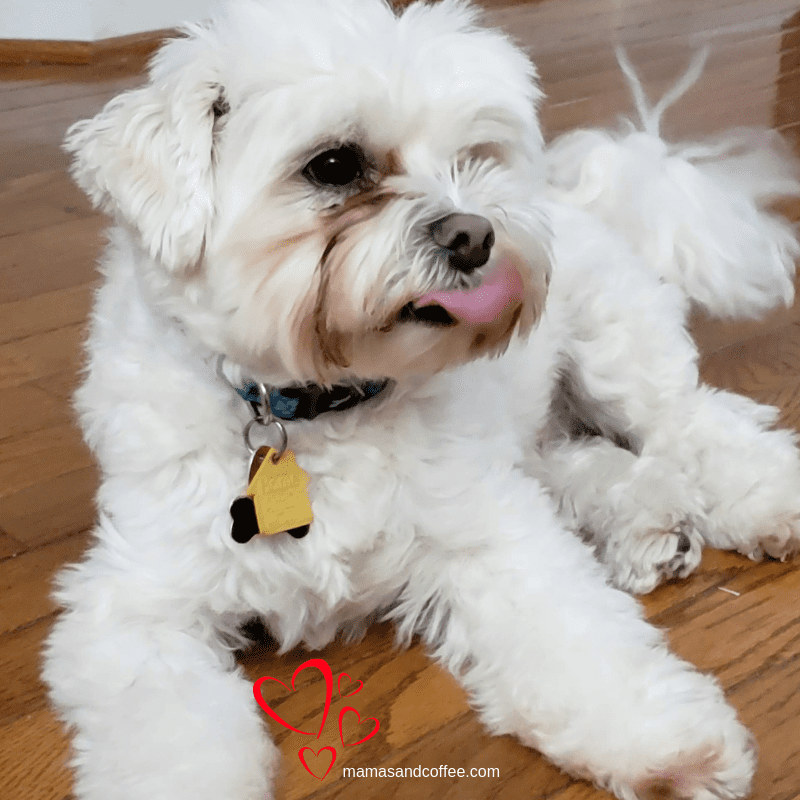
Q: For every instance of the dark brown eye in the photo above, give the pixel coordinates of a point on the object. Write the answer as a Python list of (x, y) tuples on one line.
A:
[(337, 167)]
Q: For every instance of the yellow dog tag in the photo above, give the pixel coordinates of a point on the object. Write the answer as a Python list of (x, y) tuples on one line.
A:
[(280, 495)]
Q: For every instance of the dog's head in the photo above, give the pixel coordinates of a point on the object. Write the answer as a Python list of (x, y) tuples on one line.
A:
[(325, 189)]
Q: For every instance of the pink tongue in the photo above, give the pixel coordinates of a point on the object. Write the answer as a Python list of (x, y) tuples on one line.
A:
[(484, 304)]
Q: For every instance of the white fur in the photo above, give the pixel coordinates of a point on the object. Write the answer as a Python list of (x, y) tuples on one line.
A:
[(693, 212), (452, 502)]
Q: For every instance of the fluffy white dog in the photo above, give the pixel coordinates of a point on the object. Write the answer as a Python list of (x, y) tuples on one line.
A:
[(349, 213)]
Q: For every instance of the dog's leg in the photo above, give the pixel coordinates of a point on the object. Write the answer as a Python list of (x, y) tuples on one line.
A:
[(747, 472), (638, 512), (709, 467), (622, 368), (705, 461), (551, 653), (158, 710)]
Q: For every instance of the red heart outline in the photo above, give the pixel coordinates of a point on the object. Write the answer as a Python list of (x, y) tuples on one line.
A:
[(368, 736), (350, 680), (312, 663), (303, 760)]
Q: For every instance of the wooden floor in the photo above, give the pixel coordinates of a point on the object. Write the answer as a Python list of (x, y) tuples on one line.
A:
[(49, 238)]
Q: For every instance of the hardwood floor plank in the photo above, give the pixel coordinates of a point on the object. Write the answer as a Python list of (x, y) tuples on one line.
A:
[(749, 63), (43, 774), (38, 200), (21, 75), (26, 581), (51, 507), (713, 334), (38, 152), (770, 703), (45, 313), (669, 605), (41, 355), (788, 401), (21, 691), (606, 109), (758, 364), (9, 546), (57, 257), (57, 112), (29, 408), (40, 455), (763, 622), (62, 385), (37, 94)]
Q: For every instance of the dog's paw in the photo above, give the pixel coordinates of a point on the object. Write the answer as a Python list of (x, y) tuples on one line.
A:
[(769, 527), (702, 752), (720, 771), (780, 541), (639, 562), (751, 489)]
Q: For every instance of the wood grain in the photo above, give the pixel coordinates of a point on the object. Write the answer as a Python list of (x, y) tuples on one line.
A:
[(133, 48), (27, 577), (49, 240)]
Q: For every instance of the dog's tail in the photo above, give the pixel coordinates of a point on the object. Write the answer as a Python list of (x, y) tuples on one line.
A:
[(698, 214)]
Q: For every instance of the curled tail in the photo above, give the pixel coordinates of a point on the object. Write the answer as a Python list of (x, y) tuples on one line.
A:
[(698, 214)]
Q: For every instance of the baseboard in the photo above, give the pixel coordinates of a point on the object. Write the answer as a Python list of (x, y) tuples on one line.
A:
[(121, 49), (118, 49)]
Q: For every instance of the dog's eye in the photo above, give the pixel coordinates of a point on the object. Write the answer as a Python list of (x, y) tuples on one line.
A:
[(337, 167)]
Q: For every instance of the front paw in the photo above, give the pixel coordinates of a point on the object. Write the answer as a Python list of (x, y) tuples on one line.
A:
[(721, 769)]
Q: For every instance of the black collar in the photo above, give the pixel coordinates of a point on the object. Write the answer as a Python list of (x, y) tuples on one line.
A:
[(310, 400)]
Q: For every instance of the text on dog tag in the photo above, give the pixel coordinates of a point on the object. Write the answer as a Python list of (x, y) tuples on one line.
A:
[(280, 494)]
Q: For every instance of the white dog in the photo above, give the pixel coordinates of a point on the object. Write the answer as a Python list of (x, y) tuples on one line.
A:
[(350, 213)]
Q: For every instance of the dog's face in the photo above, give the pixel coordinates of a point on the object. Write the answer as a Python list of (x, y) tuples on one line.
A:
[(326, 190)]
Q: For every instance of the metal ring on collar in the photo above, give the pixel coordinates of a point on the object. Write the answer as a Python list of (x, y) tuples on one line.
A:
[(284, 441), (266, 416), (261, 410)]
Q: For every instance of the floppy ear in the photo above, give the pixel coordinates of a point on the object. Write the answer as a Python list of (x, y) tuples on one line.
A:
[(146, 158)]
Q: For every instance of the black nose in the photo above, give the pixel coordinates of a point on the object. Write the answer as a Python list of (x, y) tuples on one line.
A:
[(468, 239)]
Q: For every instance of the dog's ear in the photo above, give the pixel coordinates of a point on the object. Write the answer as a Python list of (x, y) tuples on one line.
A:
[(147, 157)]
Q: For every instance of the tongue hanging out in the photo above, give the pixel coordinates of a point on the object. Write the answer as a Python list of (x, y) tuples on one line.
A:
[(501, 288)]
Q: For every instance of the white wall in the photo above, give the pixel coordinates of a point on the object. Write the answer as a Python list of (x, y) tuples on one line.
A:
[(87, 20)]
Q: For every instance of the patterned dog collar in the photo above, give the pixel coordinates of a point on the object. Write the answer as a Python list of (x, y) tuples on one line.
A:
[(311, 400)]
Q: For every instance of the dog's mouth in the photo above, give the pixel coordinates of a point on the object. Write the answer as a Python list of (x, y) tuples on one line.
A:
[(433, 314), (500, 289)]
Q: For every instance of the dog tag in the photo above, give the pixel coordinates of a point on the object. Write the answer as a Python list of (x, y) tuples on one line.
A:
[(257, 461), (243, 509), (280, 495)]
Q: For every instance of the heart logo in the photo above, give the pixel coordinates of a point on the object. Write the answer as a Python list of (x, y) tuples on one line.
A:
[(312, 663), (353, 688), (301, 755), (368, 719)]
